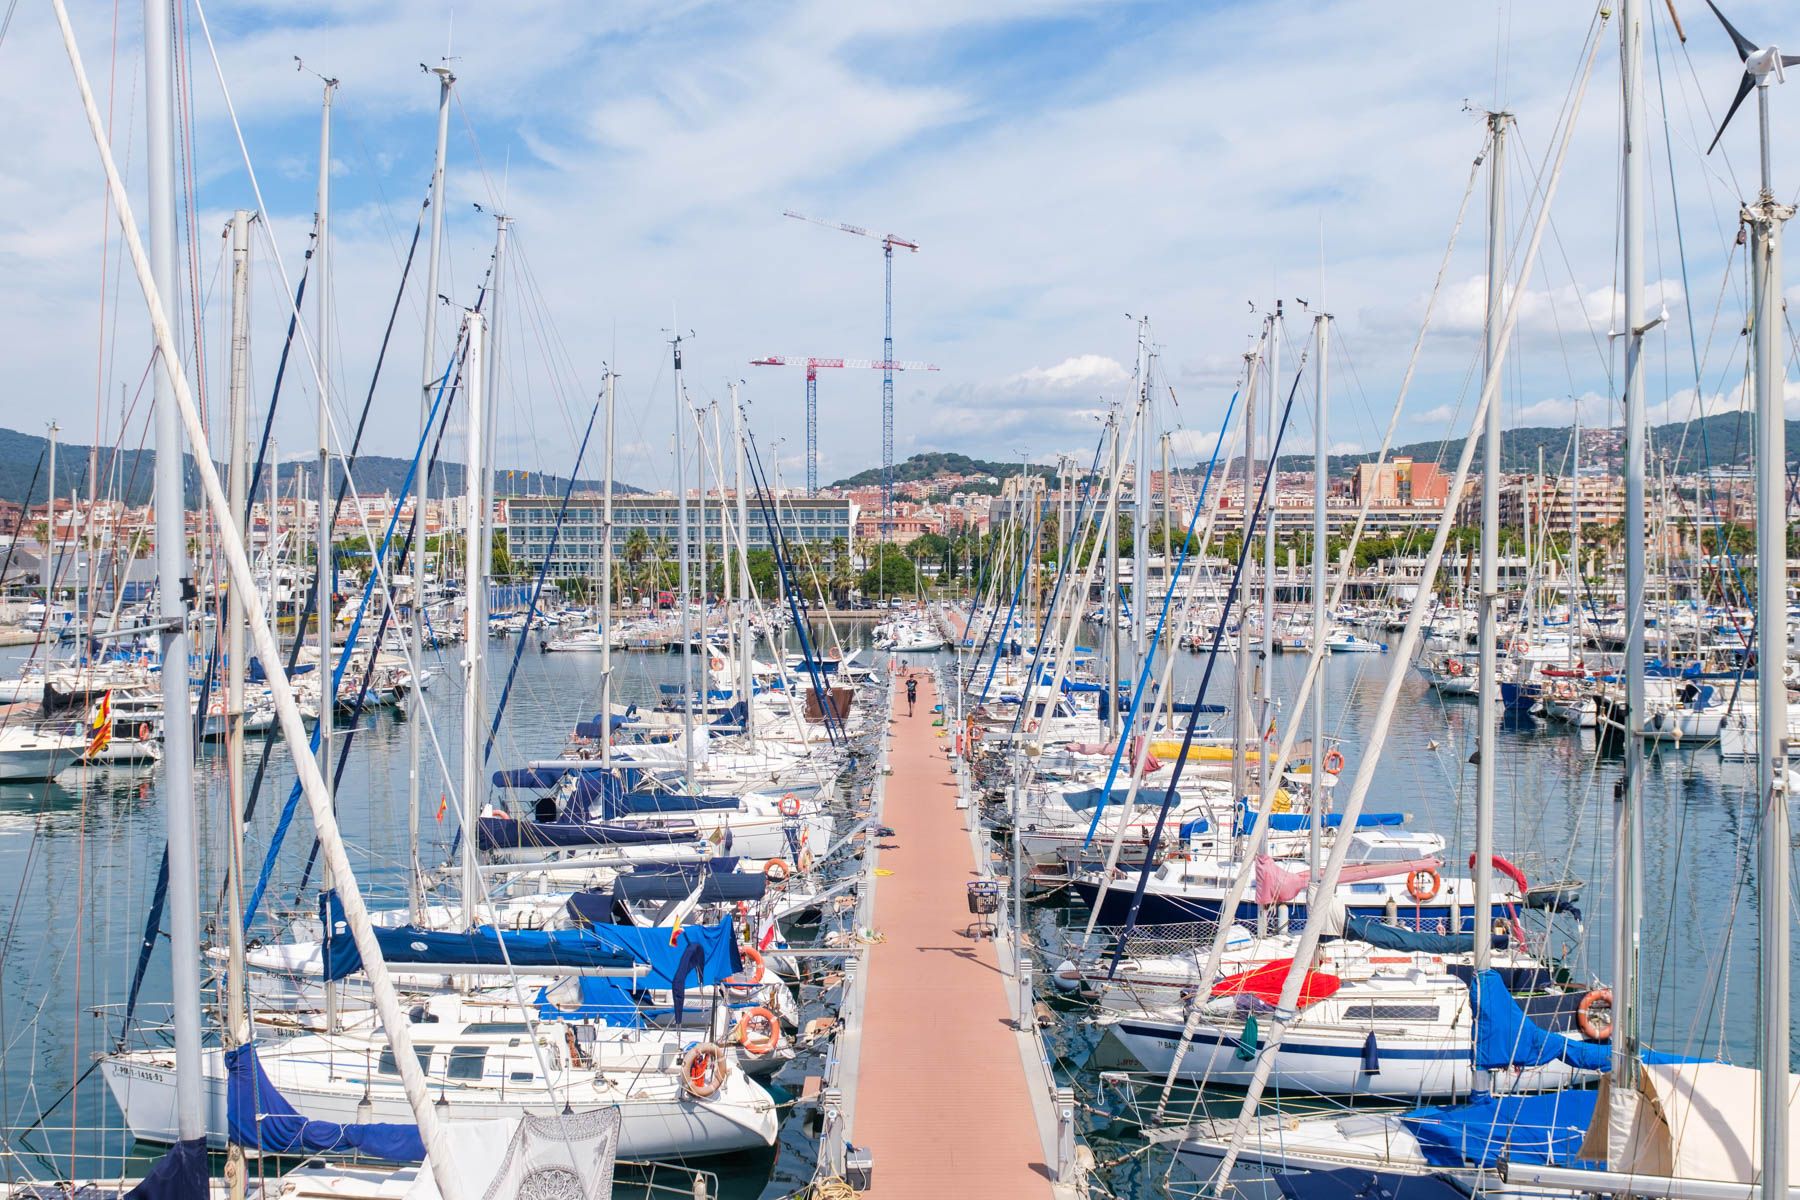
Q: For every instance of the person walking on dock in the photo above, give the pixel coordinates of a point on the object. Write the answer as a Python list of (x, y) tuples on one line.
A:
[(912, 694)]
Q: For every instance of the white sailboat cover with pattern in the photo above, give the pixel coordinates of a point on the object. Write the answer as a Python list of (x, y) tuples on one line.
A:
[(566, 1157)]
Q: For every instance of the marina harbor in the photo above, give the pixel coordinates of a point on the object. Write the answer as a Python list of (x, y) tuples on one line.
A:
[(1279, 681)]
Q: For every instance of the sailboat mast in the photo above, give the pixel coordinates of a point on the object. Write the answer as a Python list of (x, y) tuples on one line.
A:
[(1774, 950), (1240, 708), (47, 567), (326, 568), (171, 585), (237, 1024), (1627, 826), (729, 629), (606, 585), (428, 374), (1574, 586), (1487, 671), (1113, 610), (1315, 846), (474, 609), (681, 575), (1266, 676), (1140, 526), (746, 644)]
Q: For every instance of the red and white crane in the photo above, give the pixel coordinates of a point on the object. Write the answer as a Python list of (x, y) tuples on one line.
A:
[(813, 365), (887, 364)]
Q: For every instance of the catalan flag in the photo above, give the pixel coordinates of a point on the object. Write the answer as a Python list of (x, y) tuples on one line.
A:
[(100, 728)]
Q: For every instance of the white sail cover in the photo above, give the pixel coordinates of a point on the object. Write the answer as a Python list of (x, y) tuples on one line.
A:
[(1697, 1121), (566, 1157)]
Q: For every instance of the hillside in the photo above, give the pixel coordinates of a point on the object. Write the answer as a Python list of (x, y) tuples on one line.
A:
[(938, 462), (131, 473), (1723, 440)]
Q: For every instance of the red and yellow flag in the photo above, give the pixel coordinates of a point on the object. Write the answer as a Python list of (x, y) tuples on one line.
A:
[(100, 728)]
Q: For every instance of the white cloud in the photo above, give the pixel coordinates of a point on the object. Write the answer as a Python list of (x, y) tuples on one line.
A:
[(1059, 165)]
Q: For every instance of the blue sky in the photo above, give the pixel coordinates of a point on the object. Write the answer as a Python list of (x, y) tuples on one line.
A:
[(1060, 163)]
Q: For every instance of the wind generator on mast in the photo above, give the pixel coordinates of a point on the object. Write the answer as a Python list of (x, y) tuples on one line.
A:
[(813, 366), (888, 242), (1765, 217)]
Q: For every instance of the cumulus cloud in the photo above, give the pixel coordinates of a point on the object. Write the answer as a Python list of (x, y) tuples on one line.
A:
[(1058, 166)]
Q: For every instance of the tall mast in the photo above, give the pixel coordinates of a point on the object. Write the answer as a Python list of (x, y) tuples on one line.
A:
[(491, 434), (681, 574), (1765, 218), (1627, 813), (1265, 676), (700, 525), (1574, 586), (1487, 672), (474, 610), (48, 567), (237, 1024), (718, 470), (1321, 466), (324, 672), (1140, 523), (1168, 524), (1113, 612), (172, 585), (1240, 709), (428, 374), (606, 584), (746, 644)]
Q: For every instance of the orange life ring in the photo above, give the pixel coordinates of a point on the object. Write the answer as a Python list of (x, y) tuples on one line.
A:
[(755, 959), (1595, 1028), (1423, 884), (703, 1070), (143, 731), (789, 805), (1453, 667), (777, 871), (758, 1031), (1334, 761)]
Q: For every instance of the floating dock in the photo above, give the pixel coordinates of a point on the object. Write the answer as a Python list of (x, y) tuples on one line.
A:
[(943, 1088)]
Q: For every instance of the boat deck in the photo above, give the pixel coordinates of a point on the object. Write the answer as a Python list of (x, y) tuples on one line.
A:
[(942, 1099)]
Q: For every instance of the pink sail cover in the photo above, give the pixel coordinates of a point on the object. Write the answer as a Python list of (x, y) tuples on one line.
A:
[(1278, 885)]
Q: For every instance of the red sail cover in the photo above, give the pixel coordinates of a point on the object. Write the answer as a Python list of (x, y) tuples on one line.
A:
[(1265, 983)]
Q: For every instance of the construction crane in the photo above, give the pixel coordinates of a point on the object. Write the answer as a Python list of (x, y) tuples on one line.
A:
[(813, 366), (888, 242)]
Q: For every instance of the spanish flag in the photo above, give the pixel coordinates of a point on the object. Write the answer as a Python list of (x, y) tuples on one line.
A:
[(100, 728), (443, 804)]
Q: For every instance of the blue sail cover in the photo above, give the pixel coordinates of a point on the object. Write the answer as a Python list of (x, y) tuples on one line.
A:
[(1393, 937), (506, 833), (703, 955), (1545, 1130), (260, 1118), (478, 947), (1506, 1037), (1295, 822), (180, 1174)]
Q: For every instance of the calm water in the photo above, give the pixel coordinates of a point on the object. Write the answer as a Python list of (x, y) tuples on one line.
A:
[(78, 859)]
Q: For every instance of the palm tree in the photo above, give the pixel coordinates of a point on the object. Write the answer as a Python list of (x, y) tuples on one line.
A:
[(637, 548)]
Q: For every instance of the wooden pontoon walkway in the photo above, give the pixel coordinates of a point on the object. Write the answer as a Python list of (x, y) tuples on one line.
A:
[(942, 1099)]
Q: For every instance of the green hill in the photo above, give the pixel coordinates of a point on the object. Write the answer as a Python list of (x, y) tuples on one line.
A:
[(939, 462), (1722, 440), (129, 474)]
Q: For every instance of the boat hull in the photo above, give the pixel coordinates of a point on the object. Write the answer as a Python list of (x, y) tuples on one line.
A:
[(651, 1128)]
